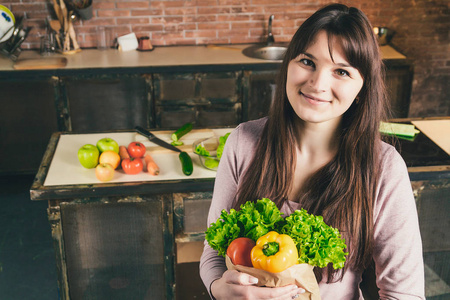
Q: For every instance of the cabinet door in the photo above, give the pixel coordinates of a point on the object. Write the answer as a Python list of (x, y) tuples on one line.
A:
[(119, 249), (259, 90), (205, 99), (107, 102), (27, 120), (399, 85)]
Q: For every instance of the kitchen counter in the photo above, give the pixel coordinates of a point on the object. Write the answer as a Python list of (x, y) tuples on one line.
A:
[(174, 56)]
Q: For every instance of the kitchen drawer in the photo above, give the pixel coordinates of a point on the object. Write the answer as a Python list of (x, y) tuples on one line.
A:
[(259, 91), (202, 116), (190, 216), (193, 89), (107, 102), (114, 247)]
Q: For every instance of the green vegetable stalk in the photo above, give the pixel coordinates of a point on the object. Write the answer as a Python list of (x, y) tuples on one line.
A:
[(317, 243)]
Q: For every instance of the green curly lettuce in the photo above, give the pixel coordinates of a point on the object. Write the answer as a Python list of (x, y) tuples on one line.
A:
[(221, 233), (317, 243), (253, 220), (257, 219)]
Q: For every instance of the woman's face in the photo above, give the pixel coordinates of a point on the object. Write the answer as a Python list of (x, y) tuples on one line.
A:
[(320, 87)]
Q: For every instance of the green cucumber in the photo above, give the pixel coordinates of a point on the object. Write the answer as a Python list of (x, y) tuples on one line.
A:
[(181, 131), (177, 143), (186, 163)]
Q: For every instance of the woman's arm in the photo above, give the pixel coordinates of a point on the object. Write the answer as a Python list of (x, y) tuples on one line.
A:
[(398, 245)]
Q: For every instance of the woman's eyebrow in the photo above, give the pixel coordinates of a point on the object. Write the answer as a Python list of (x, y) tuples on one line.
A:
[(345, 65), (309, 55)]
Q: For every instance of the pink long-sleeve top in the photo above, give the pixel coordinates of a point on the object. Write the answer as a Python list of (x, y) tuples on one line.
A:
[(398, 245)]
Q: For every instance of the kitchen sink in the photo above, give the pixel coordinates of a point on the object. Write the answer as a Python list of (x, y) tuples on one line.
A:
[(268, 52)]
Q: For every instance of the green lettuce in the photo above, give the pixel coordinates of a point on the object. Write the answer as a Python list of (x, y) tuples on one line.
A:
[(222, 141), (253, 220), (221, 233), (317, 243), (199, 149), (211, 163)]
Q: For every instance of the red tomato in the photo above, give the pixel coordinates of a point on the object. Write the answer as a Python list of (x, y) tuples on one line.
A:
[(136, 149), (132, 165), (239, 251)]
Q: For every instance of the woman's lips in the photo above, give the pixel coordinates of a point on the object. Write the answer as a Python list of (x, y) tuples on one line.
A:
[(314, 100)]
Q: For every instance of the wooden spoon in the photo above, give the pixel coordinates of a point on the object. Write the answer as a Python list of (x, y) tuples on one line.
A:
[(56, 26)]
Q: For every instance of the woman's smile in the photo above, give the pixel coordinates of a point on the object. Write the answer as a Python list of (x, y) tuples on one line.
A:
[(314, 100)]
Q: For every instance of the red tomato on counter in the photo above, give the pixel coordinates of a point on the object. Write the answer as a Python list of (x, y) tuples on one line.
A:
[(136, 149), (239, 251), (132, 165)]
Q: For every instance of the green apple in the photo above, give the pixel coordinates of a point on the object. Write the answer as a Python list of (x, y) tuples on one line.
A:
[(107, 144), (88, 156)]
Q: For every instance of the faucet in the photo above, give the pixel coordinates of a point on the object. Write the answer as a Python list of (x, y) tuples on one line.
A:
[(270, 39)]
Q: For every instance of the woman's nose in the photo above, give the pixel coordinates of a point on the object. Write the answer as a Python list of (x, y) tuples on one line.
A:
[(319, 81)]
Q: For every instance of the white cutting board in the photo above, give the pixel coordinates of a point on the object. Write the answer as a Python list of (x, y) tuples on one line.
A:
[(65, 169)]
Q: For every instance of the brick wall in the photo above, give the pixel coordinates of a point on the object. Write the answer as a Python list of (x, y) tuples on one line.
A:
[(421, 30)]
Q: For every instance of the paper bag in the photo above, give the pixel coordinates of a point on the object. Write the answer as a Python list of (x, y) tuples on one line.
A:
[(302, 275)]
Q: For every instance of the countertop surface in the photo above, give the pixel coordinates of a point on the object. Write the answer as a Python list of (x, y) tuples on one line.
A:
[(161, 57)]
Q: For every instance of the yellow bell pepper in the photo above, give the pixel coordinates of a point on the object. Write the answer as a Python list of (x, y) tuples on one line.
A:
[(274, 252)]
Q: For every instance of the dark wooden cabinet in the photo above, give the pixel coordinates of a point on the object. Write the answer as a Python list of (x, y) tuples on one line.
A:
[(106, 102), (259, 93), (27, 120), (399, 76), (205, 99)]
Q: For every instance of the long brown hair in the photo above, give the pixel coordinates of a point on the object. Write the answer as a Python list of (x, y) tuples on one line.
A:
[(344, 190)]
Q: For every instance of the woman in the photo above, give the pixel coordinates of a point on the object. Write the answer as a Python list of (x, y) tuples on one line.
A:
[(320, 149)]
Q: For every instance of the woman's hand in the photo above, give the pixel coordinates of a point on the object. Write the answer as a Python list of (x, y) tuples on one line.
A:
[(238, 285)]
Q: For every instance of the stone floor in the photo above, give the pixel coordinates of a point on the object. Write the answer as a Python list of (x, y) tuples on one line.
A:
[(27, 263)]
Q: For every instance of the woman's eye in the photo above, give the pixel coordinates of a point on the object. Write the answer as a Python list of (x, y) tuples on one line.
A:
[(342, 73), (306, 62)]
